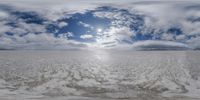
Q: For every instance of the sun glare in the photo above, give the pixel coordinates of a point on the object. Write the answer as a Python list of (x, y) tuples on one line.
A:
[(99, 30)]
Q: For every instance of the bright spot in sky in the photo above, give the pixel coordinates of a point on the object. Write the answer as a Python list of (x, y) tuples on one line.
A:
[(99, 30)]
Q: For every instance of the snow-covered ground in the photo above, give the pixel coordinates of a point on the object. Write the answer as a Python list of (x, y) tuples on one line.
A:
[(99, 75)]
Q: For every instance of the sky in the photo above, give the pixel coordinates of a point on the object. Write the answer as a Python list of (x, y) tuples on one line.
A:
[(110, 24)]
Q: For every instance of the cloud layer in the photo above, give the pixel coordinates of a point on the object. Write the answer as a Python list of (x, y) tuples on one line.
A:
[(106, 24), (160, 45)]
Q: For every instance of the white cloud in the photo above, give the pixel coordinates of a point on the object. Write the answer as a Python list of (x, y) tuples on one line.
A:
[(3, 14), (159, 16), (4, 29), (51, 9), (114, 36), (66, 35), (166, 36), (159, 45), (163, 15), (118, 18), (62, 24), (86, 36), (109, 15), (181, 37), (85, 25), (39, 41), (194, 42)]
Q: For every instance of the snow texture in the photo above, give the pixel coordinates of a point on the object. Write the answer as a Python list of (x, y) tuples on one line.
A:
[(99, 75)]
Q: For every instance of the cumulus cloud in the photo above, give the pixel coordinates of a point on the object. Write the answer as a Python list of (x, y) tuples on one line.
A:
[(39, 41), (66, 35), (114, 37), (117, 17), (24, 30), (120, 31), (128, 19), (29, 28), (3, 15), (194, 43), (164, 15), (4, 29), (62, 24)]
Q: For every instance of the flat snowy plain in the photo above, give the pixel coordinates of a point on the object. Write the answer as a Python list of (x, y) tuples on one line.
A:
[(99, 75)]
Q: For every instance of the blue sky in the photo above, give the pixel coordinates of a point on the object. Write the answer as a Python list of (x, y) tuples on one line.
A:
[(49, 24)]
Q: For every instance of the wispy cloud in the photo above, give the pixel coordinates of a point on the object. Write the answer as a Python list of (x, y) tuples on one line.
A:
[(86, 36)]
